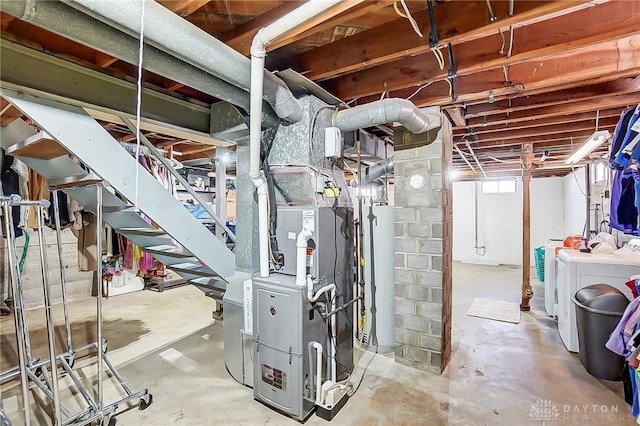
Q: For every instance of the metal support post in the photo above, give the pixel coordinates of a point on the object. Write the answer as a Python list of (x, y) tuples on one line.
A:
[(18, 313), (48, 315), (63, 280), (100, 342), (222, 155)]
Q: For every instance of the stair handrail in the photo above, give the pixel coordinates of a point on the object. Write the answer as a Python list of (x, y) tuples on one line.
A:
[(178, 176)]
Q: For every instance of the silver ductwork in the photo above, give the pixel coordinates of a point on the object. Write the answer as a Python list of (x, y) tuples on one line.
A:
[(176, 36), (386, 111), (78, 26), (377, 170)]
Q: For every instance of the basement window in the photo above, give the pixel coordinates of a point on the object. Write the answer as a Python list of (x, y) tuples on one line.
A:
[(498, 186), (600, 173)]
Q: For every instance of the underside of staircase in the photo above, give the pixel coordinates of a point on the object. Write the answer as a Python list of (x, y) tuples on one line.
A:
[(79, 157)]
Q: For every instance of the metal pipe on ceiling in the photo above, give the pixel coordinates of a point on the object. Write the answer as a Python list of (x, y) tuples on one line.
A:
[(75, 25), (384, 111), (377, 170), (172, 34)]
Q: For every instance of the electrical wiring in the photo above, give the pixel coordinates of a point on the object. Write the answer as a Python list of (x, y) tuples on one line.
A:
[(439, 57), (347, 381), (139, 104), (419, 89), (408, 16), (450, 86), (573, 170)]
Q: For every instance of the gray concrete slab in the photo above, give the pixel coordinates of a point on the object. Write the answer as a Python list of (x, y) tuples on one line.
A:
[(498, 373)]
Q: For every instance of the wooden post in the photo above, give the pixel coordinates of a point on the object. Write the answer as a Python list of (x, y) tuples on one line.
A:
[(527, 291)]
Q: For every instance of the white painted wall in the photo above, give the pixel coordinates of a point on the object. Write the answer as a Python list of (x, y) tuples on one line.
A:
[(500, 221), (575, 213)]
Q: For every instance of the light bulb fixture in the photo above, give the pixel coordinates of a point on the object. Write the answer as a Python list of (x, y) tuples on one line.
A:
[(595, 140), (224, 158)]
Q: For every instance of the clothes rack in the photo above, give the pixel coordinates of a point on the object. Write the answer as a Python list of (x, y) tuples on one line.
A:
[(44, 373)]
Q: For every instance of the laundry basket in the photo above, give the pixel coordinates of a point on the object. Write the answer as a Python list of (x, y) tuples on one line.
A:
[(539, 256)]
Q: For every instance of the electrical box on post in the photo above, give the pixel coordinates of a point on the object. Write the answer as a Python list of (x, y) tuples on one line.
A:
[(332, 142)]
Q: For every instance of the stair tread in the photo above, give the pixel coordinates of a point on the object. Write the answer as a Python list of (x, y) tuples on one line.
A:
[(168, 250), (73, 184), (40, 146), (141, 231), (193, 268), (213, 282)]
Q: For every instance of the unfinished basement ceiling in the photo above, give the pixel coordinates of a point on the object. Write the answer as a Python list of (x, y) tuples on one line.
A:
[(540, 76)]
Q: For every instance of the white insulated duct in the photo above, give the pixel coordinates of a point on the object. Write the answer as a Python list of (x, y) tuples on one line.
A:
[(259, 84), (170, 33), (75, 25), (384, 111)]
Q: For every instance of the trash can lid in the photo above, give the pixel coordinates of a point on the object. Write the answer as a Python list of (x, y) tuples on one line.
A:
[(602, 297)]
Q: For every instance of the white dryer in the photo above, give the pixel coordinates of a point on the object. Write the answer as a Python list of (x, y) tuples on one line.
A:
[(577, 270), (550, 273)]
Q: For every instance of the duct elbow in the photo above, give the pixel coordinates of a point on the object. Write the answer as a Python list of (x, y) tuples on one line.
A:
[(406, 113), (384, 111), (286, 105)]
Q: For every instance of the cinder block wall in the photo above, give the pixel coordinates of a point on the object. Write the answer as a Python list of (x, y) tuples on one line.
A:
[(79, 284), (423, 257)]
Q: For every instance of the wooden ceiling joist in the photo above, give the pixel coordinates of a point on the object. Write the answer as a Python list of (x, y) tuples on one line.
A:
[(240, 36), (618, 102), (567, 33), (538, 77), (542, 131), (457, 22), (605, 62), (211, 153), (526, 123), (582, 92), (352, 13), (558, 139), (183, 7), (567, 123)]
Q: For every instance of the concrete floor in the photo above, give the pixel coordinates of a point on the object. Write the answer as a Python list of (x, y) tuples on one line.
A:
[(498, 370)]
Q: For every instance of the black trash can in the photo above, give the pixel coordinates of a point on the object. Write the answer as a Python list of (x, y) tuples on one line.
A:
[(599, 307)]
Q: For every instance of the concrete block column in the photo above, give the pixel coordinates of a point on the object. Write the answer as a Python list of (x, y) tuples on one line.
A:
[(423, 247)]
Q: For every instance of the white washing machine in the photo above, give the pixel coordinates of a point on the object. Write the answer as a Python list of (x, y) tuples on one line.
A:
[(577, 270), (631, 250), (550, 273)]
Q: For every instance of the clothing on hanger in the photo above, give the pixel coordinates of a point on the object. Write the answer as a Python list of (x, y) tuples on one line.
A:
[(10, 180)]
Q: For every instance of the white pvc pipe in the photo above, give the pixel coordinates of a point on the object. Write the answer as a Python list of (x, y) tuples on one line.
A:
[(314, 297), (301, 257), (333, 339), (318, 347), (258, 52), (255, 127)]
